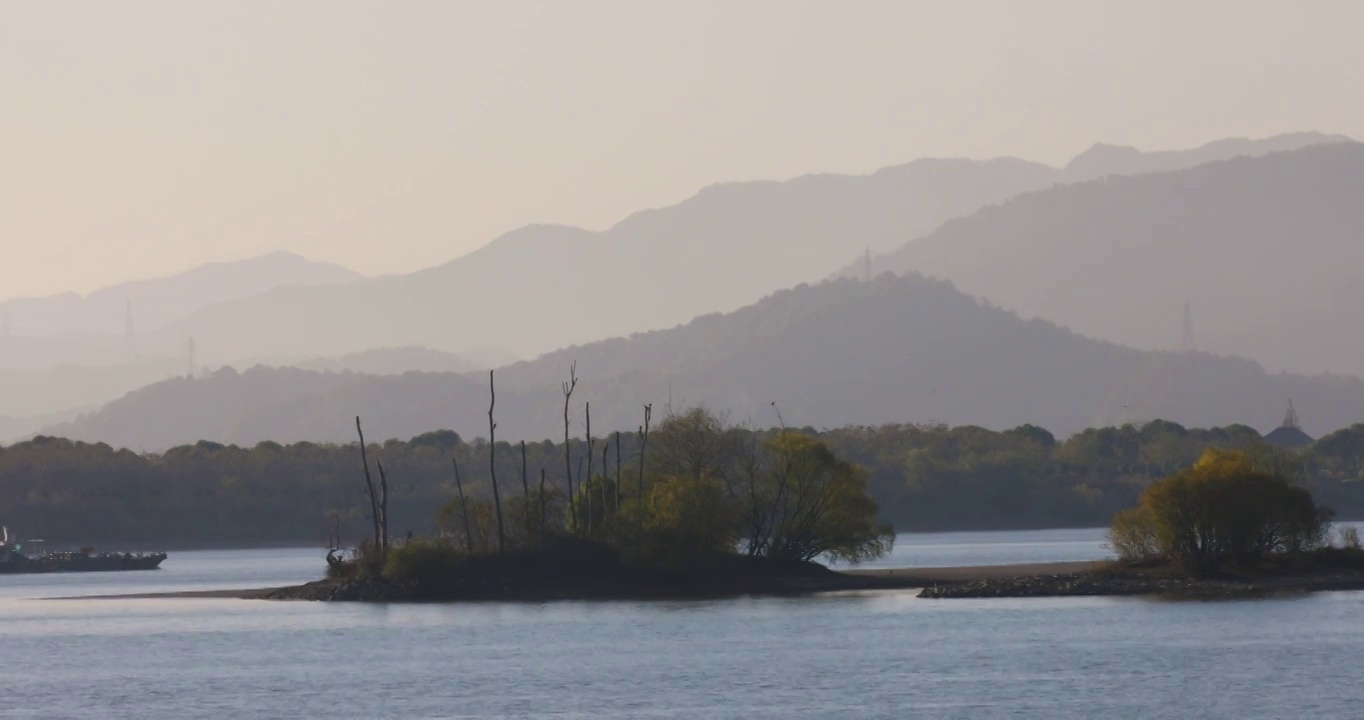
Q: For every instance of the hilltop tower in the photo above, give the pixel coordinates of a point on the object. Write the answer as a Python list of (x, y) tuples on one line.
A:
[(1290, 418), (1289, 435), (189, 353), (1186, 343), (866, 266)]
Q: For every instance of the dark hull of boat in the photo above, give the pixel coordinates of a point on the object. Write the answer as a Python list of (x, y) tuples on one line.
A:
[(82, 563)]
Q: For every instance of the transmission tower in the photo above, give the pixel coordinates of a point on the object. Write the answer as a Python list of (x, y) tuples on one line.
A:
[(866, 265), (1186, 343), (189, 353)]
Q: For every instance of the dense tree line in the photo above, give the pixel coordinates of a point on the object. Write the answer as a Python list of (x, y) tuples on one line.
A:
[(936, 478), (922, 477)]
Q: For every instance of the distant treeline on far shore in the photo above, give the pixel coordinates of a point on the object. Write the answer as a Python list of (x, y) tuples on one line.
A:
[(925, 478)]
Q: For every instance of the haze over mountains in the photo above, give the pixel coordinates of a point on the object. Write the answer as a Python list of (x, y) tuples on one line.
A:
[(76, 389), (158, 301), (1268, 251), (1102, 159), (396, 361), (63, 354), (543, 287), (897, 349), (1113, 258)]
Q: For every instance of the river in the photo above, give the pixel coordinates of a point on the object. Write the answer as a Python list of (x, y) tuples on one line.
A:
[(852, 655)]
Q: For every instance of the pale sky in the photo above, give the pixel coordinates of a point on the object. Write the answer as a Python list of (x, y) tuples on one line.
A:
[(142, 138)]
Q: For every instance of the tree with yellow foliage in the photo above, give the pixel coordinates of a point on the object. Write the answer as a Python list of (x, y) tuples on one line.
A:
[(1229, 507)]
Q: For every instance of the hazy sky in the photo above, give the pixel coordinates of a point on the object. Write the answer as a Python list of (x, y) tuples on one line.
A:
[(140, 138)]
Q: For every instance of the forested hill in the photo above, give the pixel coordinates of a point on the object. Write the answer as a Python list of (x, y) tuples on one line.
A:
[(1267, 252), (543, 287), (897, 349), (924, 478)]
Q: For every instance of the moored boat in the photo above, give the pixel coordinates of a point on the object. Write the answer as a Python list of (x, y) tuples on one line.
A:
[(26, 556)]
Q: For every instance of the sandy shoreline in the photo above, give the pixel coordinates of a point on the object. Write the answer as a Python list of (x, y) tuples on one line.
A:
[(227, 594), (888, 578)]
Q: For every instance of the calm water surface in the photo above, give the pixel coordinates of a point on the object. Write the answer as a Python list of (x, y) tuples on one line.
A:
[(861, 655), (995, 548)]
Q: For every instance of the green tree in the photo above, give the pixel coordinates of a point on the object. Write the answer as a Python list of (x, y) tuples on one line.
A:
[(686, 518), (803, 502)]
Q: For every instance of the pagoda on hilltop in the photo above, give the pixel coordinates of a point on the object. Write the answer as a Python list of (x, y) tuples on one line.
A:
[(1289, 435)]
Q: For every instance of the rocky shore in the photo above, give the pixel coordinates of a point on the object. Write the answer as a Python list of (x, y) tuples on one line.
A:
[(1118, 583), (370, 589), (382, 590)]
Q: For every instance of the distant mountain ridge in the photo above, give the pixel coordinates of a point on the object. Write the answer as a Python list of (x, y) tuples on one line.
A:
[(1102, 160), (897, 349), (543, 287), (158, 301), (1267, 251), (66, 352), (393, 361)]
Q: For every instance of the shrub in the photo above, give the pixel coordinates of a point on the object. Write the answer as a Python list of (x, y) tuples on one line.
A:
[(1133, 535), (424, 560)]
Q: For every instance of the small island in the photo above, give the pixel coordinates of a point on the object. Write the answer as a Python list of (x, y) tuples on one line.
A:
[(1233, 525), (710, 512)]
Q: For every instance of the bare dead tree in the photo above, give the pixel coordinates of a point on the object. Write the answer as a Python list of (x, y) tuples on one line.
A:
[(383, 509), (580, 481), (643, 443), (525, 488), (492, 462), (369, 484), (542, 510), (464, 509), (605, 499), (605, 446), (568, 449), (587, 490), (617, 471)]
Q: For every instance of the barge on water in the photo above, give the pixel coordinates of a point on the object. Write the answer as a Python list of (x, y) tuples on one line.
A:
[(23, 556)]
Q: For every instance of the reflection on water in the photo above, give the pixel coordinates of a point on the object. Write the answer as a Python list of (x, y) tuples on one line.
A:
[(842, 655)]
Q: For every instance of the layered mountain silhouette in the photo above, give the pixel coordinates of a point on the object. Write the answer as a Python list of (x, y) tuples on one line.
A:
[(29, 395), (1102, 160), (1268, 252), (543, 287), (895, 349), (156, 302), (66, 353)]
